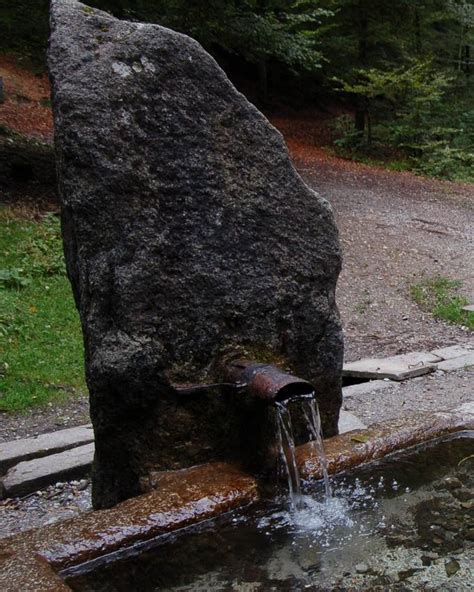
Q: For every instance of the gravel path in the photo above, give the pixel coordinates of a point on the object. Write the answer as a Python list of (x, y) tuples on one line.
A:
[(42, 420), (396, 228), (426, 394), (49, 505)]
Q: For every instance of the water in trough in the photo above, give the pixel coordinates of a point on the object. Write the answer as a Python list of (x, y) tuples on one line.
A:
[(403, 523)]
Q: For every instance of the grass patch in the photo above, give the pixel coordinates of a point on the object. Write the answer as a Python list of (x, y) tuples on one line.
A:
[(440, 296), (41, 354)]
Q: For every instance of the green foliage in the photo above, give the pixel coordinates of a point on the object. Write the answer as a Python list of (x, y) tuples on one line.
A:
[(345, 134), (418, 83), (13, 278), (254, 29), (42, 251), (41, 355), (407, 72), (440, 160), (404, 67), (440, 296), (412, 109), (38, 253)]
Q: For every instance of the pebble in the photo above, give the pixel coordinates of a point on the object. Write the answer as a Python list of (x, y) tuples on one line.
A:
[(361, 568), (454, 525), (407, 573), (464, 494), (452, 566), (449, 483), (437, 531), (83, 484), (428, 557)]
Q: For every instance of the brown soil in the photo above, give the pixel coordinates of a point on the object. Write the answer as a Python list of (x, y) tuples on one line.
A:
[(27, 168), (26, 108)]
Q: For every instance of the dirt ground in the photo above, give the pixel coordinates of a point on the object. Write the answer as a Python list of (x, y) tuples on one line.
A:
[(425, 394), (395, 229), (27, 107), (41, 420)]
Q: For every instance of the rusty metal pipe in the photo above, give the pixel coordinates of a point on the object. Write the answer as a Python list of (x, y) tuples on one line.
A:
[(266, 381)]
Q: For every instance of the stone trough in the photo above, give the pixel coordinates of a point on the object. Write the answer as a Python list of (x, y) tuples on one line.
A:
[(32, 560)]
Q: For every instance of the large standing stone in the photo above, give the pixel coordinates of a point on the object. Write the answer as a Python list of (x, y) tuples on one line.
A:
[(187, 234)]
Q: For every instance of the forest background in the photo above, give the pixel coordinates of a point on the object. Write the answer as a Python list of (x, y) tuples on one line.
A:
[(397, 75)]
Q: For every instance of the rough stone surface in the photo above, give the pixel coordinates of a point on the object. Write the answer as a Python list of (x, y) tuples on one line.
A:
[(12, 453), (348, 422), (187, 234), (354, 390), (31, 475), (396, 367), (453, 351), (457, 363)]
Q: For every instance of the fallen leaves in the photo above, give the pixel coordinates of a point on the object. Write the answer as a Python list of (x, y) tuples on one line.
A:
[(26, 109)]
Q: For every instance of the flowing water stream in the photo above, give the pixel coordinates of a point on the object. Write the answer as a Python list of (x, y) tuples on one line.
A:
[(287, 448)]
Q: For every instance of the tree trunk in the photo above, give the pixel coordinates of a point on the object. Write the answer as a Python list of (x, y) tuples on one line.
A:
[(360, 121), (417, 32), (363, 29), (263, 81), (461, 47)]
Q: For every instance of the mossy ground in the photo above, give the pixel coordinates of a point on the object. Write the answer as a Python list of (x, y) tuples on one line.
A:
[(440, 296)]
